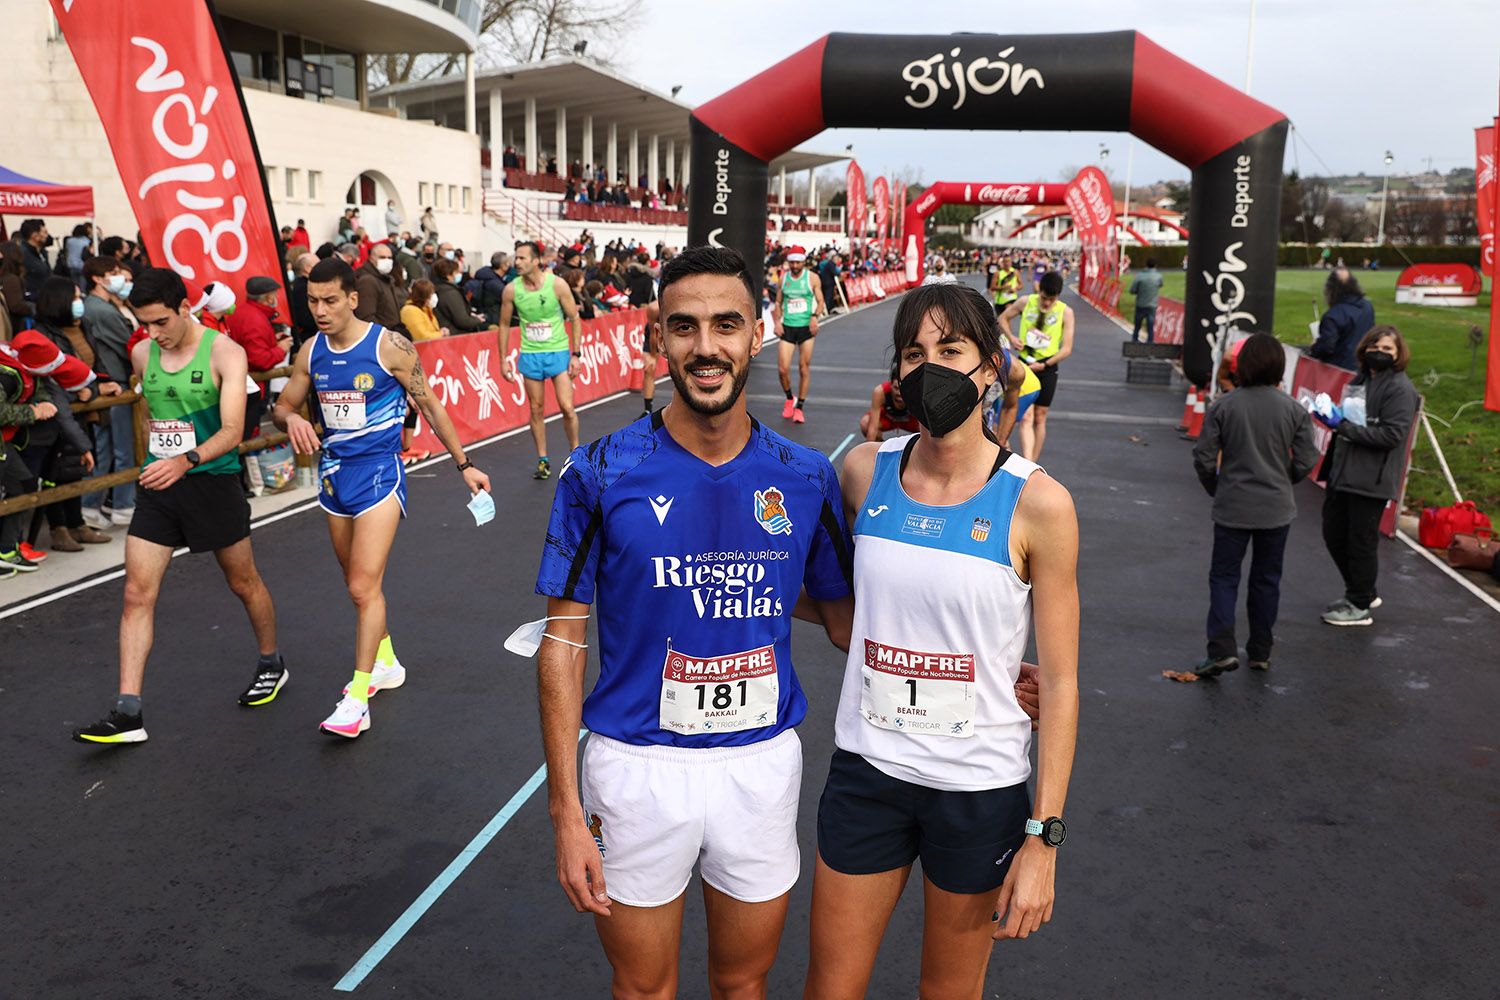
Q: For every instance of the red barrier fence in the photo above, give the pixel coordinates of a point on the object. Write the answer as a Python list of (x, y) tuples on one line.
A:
[(870, 287), (465, 373), (573, 211)]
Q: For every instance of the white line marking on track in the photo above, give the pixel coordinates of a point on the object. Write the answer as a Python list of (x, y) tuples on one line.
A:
[(1468, 585)]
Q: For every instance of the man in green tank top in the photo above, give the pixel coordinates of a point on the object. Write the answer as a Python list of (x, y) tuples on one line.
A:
[(193, 380), (1043, 341), (799, 303), (551, 345)]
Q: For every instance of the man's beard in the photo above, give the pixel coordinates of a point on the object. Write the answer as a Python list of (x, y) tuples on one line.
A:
[(686, 389)]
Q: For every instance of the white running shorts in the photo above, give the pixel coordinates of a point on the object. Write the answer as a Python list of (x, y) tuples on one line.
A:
[(656, 810)]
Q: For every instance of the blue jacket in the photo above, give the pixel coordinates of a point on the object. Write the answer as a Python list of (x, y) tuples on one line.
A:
[(1340, 331)]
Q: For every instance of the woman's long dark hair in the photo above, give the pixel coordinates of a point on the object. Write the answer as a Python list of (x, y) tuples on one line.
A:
[(54, 303), (957, 309)]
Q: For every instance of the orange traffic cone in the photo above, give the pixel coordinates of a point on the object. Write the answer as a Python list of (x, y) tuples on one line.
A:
[(1195, 421), (1187, 408)]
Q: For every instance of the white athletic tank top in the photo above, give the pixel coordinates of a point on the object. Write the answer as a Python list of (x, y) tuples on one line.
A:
[(940, 625)]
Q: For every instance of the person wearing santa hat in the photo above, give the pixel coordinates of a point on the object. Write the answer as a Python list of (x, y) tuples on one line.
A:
[(799, 303)]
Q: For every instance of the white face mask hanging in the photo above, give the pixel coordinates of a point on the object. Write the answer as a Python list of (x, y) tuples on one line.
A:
[(527, 639)]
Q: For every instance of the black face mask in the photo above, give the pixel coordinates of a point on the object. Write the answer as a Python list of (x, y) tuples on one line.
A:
[(1379, 361), (941, 398)]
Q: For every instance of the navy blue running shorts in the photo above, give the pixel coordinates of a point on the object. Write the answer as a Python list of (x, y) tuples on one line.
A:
[(870, 822)]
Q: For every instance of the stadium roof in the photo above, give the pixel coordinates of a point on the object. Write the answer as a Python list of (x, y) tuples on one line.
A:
[(582, 87)]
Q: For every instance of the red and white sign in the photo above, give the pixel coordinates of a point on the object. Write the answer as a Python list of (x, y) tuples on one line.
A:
[(22, 194), (1170, 321), (911, 663), (854, 199), (1484, 183), (1091, 204), (881, 192), (1462, 276), (171, 109), (685, 669)]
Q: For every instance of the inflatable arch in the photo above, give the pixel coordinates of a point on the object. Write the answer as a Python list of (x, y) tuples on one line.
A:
[(1113, 81)]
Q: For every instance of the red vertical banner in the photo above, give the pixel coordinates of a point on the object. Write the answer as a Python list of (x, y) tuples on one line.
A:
[(1484, 184), (1091, 203), (880, 192), (854, 199), (1492, 364), (172, 110)]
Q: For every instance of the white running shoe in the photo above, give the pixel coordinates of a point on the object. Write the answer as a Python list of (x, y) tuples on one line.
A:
[(384, 677), (350, 718), (96, 519), (121, 516)]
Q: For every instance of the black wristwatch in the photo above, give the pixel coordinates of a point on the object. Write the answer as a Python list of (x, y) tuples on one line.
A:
[(193, 457), (465, 464), (577, 354), (1053, 830)]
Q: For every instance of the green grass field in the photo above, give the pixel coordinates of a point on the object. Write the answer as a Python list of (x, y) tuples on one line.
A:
[(1439, 341)]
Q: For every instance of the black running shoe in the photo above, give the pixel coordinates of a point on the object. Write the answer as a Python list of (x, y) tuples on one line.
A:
[(543, 469), (266, 686), (1214, 666), (116, 728)]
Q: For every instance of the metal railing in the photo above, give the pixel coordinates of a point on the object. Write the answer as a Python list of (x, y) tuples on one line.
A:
[(96, 484)]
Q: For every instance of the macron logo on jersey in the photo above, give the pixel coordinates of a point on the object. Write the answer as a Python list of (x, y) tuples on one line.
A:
[(661, 506)]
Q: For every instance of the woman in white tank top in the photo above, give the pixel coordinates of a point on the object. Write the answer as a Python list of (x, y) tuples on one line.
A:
[(958, 543)]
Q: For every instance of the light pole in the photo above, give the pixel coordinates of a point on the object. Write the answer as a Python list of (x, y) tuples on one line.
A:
[(1385, 187)]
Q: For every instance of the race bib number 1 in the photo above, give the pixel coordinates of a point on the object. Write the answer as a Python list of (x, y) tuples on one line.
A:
[(927, 694), (170, 438), (343, 410), (537, 333), (719, 694)]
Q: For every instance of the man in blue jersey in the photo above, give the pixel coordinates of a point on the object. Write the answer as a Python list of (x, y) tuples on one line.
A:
[(695, 530), (362, 375)]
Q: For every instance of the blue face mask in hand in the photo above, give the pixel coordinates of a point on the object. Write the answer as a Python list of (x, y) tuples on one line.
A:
[(482, 506)]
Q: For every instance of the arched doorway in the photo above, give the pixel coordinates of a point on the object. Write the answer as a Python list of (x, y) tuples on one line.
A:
[(1115, 81), (369, 193)]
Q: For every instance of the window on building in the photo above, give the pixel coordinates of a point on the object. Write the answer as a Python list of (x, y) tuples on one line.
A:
[(270, 178), (467, 199), (291, 182), (452, 197), (315, 185)]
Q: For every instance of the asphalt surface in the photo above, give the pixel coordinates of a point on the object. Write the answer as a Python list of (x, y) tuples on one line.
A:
[(1328, 828)]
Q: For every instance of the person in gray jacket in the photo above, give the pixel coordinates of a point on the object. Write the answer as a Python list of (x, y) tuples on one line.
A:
[(1363, 467), (1256, 442)]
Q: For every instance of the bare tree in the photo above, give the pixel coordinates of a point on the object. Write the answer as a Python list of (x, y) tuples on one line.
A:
[(516, 31)]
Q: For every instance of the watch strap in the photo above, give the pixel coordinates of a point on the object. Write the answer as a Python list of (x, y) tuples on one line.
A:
[(465, 464), (1033, 828)]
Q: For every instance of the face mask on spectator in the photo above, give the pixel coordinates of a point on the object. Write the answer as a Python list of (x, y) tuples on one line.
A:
[(77, 309), (116, 284), (384, 265), (450, 255), (432, 301), (458, 279)]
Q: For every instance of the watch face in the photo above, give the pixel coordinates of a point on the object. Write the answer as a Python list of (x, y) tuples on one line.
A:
[(1054, 832)]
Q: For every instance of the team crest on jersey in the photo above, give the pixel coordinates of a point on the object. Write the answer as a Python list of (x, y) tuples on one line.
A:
[(364, 381), (770, 511), (981, 529), (328, 485), (596, 828)]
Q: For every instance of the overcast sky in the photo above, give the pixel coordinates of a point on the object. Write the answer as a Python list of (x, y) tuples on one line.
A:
[(1356, 77)]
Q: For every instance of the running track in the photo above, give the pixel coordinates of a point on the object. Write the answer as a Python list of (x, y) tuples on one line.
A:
[(1327, 829)]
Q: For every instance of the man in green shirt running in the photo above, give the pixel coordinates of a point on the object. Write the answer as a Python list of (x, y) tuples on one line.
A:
[(799, 303), (551, 339), (189, 493)]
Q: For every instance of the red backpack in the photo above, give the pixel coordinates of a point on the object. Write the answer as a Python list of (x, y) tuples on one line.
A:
[(1437, 525)]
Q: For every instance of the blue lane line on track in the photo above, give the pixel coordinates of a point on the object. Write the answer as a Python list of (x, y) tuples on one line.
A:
[(447, 877)]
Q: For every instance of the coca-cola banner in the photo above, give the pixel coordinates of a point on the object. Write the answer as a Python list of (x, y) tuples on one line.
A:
[(1484, 183), (466, 375), (955, 193), (1169, 318), (881, 193), (854, 199), (172, 111)]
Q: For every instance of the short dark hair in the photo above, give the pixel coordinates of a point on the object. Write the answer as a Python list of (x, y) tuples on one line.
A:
[(536, 251), (1403, 353), (28, 227), (1051, 284), (957, 308), (97, 267), (111, 245), (54, 302), (445, 268), (1261, 361), (158, 285), (332, 268), (709, 260), (1150, 261)]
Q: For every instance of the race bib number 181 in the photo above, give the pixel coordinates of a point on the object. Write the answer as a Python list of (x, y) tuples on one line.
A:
[(719, 694), (927, 694)]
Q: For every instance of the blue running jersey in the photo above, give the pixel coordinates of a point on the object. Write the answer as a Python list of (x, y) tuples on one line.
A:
[(694, 570), (360, 404)]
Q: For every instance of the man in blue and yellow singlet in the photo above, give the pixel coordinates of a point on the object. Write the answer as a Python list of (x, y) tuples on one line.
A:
[(193, 381), (799, 303), (361, 376), (551, 345), (1044, 340)]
